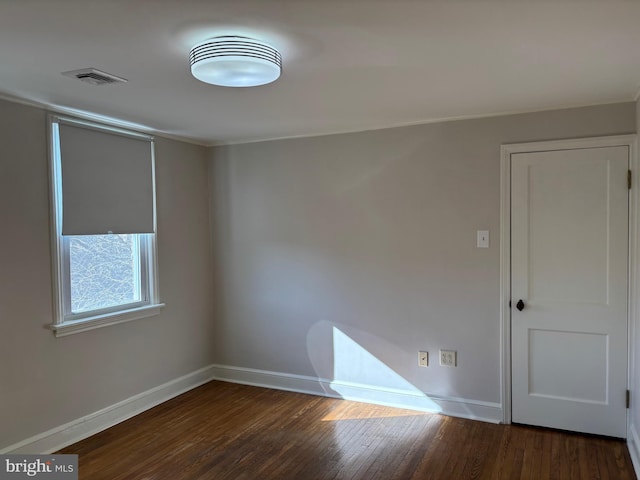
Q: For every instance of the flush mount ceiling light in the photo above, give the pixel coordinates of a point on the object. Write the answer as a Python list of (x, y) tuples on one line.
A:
[(232, 61)]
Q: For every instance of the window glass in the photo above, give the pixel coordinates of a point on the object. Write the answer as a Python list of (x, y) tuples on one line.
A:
[(104, 271)]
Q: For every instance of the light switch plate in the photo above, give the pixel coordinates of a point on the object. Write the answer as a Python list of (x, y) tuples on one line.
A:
[(483, 239)]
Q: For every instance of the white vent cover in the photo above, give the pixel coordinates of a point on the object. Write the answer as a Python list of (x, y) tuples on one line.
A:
[(94, 76)]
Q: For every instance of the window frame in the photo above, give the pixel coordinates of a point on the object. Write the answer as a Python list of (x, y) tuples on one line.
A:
[(64, 321)]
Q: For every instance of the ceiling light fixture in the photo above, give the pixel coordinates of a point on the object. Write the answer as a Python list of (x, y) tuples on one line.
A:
[(232, 61)]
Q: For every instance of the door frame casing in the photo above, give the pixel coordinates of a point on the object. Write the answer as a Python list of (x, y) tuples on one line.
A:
[(506, 150)]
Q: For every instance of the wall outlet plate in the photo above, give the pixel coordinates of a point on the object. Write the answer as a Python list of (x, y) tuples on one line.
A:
[(423, 359), (448, 358)]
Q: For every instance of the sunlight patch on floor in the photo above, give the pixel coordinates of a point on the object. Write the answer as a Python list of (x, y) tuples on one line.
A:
[(363, 411)]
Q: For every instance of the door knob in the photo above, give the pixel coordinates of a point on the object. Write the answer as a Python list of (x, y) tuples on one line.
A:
[(520, 305)]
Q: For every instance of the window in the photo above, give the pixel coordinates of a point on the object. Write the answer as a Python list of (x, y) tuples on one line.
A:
[(105, 271), (103, 225)]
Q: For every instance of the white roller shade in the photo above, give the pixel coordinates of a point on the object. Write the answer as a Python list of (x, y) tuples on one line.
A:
[(107, 182)]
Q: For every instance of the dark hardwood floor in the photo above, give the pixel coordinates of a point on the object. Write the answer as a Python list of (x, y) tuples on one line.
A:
[(235, 432)]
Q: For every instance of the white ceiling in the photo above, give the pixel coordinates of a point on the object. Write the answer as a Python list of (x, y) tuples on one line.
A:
[(348, 64)]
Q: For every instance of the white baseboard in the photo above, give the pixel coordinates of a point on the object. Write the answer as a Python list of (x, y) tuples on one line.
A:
[(81, 428), (453, 406), (633, 443)]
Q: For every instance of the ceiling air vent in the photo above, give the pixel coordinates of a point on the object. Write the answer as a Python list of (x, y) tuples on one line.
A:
[(94, 76)]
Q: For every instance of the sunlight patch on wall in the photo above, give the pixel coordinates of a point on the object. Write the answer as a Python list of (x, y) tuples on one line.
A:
[(359, 375)]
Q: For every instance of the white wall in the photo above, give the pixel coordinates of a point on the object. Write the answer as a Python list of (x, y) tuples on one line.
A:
[(322, 244), (47, 381)]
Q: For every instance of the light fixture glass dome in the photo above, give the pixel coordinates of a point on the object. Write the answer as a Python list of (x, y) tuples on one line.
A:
[(232, 61)]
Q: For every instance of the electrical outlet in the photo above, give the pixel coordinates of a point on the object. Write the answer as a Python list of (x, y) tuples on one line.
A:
[(423, 359), (448, 358)]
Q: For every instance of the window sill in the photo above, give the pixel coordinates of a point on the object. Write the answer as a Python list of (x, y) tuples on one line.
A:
[(99, 321)]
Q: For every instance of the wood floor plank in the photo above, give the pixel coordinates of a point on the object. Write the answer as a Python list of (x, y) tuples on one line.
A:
[(501, 459), (223, 431)]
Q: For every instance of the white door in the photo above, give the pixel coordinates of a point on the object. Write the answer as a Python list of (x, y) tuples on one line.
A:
[(569, 261)]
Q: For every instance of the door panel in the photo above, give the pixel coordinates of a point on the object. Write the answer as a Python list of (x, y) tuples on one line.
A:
[(587, 365), (569, 258)]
